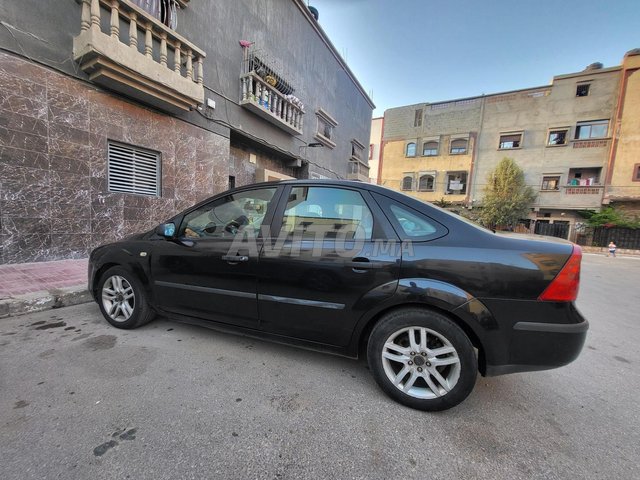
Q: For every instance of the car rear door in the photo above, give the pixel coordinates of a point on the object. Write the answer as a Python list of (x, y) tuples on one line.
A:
[(200, 273), (331, 257)]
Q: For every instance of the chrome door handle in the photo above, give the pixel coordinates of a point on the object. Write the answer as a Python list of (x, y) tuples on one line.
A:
[(235, 258)]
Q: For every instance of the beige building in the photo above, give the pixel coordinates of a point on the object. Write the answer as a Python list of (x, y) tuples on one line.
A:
[(623, 175), (429, 149), (375, 144), (577, 140)]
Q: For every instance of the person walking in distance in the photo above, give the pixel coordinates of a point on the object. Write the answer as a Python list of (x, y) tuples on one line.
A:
[(612, 249)]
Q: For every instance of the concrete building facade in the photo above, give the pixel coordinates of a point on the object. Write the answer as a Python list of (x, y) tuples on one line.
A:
[(576, 140), (623, 174), (115, 115)]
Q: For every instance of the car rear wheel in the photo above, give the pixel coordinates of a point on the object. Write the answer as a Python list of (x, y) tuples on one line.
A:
[(122, 299), (422, 359)]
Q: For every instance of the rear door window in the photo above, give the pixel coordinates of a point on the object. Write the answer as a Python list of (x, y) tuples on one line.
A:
[(327, 211)]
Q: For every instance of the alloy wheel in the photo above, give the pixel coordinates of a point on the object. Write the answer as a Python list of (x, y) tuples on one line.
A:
[(118, 298), (421, 362)]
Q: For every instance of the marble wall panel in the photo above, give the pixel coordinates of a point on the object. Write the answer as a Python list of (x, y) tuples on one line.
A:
[(71, 245), (62, 132), (105, 112), (20, 86), (17, 157), (78, 119), (77, 165), (54, 198), (10, 102), (25, 226), (63, 148), (38, 247), (24, 201), (24, 123), (25, 141), (67, 101), (71, 226)]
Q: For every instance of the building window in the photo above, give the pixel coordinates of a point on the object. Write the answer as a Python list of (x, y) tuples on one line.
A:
[(371, 151), (558, 136), (357, 150), (456, 183), (551, 182), (430, 149), (426, 182), (636, 172), (584, 177), (133, 170), (582, 90), (407, 182), (592, 129), (410, 151), (510, 140), (232, 182), (325, 131), (417, 121), (458, 147)]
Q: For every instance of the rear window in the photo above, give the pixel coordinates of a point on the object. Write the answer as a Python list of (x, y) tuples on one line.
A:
[(409, 223)]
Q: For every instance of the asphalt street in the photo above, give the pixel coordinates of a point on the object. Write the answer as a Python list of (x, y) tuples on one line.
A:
[(80, 399)]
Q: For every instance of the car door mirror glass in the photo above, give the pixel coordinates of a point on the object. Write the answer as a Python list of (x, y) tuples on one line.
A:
[(167, 230)]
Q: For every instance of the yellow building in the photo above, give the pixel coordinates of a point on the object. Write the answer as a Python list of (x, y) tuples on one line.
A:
[(623, 178), (428, 149), (426, 174)]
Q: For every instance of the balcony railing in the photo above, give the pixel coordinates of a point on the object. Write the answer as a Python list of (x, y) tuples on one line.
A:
[(165, 70), (357, 171), (594, 189), (264, 100)]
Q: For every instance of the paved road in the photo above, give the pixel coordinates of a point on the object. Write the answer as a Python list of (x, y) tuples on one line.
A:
[(79, 400)]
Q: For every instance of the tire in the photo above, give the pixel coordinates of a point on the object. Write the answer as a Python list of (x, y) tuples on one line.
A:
[(435, 372), (122, 300)]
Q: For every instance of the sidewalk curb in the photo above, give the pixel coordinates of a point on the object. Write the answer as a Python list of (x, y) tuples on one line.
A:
[(44, 300)]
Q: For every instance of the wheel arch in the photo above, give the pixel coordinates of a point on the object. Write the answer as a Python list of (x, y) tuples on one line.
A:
[(133, 268), (365, 332)]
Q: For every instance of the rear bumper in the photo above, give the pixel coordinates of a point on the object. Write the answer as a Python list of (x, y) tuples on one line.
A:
[(542, 346)]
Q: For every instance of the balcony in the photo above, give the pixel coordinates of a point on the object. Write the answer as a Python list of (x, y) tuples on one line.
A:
[(357, 170), (265, 93), (165, 71)]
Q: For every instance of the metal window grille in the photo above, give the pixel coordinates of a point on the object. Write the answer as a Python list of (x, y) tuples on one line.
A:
[(133, 170)]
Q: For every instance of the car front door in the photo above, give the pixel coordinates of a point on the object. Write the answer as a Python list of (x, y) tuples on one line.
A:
[(331, 257), (200, 273)]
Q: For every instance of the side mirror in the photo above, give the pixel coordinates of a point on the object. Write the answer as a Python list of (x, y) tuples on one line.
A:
[(166, 230)]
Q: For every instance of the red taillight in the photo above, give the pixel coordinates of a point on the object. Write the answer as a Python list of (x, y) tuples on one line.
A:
[(564, 288)]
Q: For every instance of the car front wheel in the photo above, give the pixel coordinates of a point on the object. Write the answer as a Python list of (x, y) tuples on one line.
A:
[(422, 359), (122, 299)]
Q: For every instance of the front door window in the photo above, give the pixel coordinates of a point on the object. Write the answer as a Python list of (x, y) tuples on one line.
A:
[(229, 215)]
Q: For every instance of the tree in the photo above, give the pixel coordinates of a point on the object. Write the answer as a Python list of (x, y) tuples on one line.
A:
[(507, 198), (609, 217)]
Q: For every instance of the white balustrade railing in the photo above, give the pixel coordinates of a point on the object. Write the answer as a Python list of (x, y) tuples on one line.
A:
[(259, 93), (187, 57)]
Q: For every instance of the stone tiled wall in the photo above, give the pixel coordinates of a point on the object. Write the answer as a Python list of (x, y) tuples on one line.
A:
[(54, 202)]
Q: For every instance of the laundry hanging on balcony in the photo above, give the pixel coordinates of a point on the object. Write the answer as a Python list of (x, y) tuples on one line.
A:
[(164, 10)]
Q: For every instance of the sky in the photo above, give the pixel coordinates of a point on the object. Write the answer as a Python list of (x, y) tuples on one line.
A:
[(415, 51)]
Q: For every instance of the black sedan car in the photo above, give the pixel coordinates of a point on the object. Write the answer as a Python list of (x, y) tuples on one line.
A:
[(355, 269)]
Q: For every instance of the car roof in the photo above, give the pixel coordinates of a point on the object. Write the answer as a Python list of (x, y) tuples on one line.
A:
[(324, 181)]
